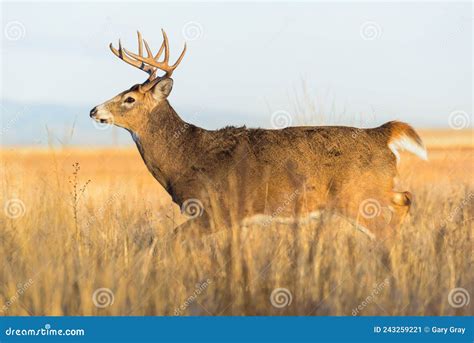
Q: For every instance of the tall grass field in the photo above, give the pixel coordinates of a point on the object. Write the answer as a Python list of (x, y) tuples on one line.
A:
[(89, 232)]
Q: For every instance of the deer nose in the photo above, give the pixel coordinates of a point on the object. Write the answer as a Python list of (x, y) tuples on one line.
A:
[(93, 112)]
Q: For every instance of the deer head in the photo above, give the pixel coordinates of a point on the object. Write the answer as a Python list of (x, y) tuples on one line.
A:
[(127, 109)]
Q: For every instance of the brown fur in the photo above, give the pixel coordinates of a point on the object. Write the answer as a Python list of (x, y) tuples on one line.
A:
[(240, 172)]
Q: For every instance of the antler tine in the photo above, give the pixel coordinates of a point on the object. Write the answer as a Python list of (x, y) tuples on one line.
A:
[(158, 54), (148, 50), (140, 43), (166, 45), (178, 61), (163, 65), (150, 55), (124, 55), (149, 64)]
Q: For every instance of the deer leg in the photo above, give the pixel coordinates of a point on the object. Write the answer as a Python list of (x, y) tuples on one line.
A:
[(198, 233), (201, 228), (199, 225)]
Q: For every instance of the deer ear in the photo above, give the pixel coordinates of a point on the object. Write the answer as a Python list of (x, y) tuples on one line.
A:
[(162, 89)]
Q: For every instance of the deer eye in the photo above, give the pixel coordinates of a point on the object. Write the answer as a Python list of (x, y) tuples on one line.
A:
[(129, 100)]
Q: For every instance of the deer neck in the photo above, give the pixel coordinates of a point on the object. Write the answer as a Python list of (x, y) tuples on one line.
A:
[(163, 142)]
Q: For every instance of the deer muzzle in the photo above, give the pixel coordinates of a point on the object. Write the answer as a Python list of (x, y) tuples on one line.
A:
[(101, 114)]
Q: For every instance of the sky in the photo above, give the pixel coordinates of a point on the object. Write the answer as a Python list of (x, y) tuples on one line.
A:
[(247, 63)]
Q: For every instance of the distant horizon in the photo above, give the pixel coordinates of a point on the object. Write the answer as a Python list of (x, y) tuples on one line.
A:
[(77, 117)]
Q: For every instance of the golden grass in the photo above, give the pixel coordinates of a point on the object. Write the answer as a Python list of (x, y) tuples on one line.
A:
[(122, 243)]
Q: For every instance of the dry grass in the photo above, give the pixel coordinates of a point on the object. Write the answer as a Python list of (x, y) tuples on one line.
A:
[(53, 263)]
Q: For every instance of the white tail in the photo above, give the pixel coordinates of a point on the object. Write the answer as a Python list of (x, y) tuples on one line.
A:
[(403, 137)]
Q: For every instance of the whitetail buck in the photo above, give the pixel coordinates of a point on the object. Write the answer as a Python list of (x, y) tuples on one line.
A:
[(242, 173)]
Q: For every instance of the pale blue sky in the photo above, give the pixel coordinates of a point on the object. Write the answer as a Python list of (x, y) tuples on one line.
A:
[(362, 63)]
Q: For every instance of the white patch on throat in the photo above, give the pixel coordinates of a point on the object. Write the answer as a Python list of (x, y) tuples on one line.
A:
[(136, 139)]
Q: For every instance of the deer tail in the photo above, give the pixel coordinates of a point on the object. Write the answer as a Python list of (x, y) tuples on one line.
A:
[(401, 136)]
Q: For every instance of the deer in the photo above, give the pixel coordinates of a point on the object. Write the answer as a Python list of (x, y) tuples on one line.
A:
[(251, 175)]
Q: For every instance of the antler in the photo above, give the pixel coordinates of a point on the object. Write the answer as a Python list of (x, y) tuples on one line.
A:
[(149, 64)]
